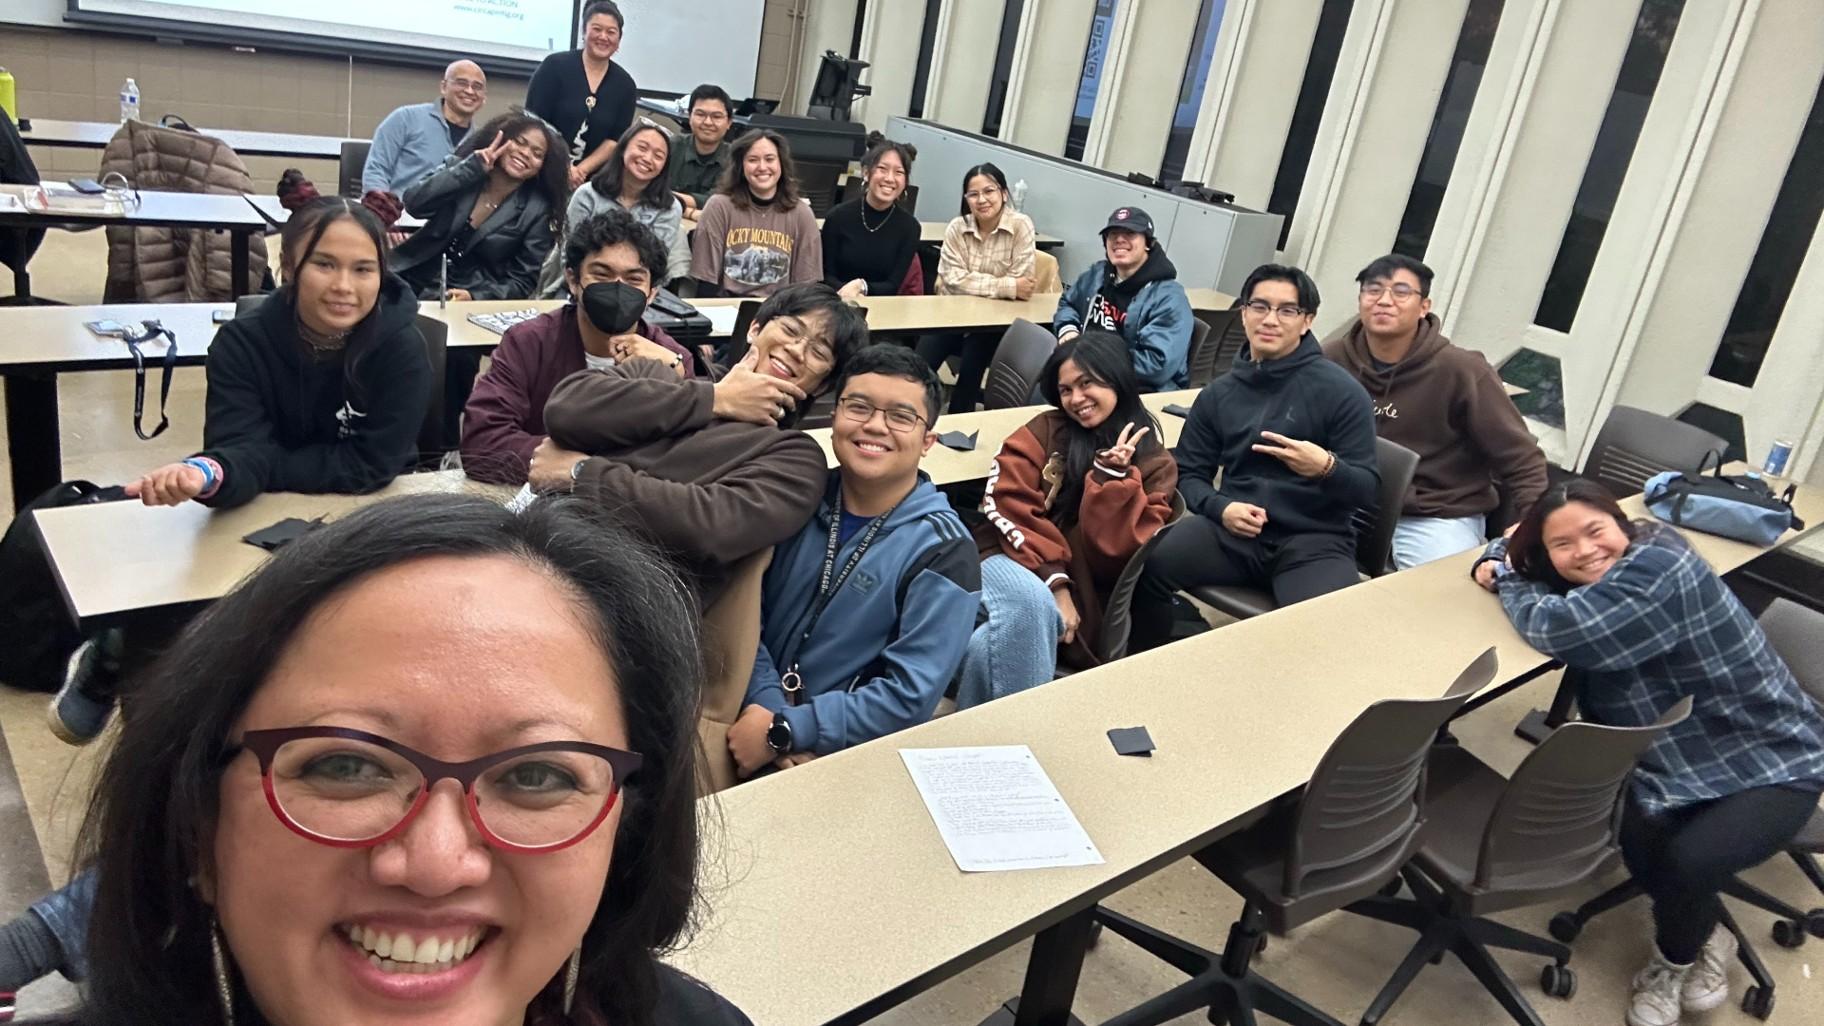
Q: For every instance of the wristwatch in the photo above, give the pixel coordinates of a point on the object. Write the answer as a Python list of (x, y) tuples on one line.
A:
[(576, 471), (779, 735)]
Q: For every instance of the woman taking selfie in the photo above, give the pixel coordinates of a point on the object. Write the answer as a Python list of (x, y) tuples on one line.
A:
[(1072, 496), (520, 856), (1641, 621), (988, 251)]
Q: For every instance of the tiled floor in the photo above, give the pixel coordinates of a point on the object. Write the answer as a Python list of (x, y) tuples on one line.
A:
[(1337, 962)]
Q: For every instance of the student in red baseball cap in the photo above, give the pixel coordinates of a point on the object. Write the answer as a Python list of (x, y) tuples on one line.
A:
[(1135, 294)]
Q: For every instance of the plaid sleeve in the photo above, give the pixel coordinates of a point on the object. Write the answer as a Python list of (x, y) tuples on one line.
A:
[(1621, 621)]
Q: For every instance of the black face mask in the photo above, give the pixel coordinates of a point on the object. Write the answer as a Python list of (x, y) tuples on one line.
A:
[(613, 307)]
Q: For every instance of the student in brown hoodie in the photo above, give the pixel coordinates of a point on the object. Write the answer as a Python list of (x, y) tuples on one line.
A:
[(713, 471), (1072, 496), (1442, 402)]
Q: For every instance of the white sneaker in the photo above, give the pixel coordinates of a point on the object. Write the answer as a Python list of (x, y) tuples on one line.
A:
[(1707, 984), (1655, 1000)]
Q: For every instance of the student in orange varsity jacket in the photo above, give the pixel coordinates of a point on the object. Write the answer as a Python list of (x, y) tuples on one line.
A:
[(864, 612), (1072, 496)]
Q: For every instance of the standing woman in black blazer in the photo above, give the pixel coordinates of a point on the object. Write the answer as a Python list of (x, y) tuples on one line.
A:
[(494, 209), (584, 95)]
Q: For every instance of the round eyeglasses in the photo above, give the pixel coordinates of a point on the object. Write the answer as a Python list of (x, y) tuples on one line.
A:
[(351, 789)]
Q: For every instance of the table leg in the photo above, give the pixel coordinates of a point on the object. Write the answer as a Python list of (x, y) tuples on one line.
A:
[(1538, 724), (33, 441), (22, 286), (1051, 976), (239, 260)]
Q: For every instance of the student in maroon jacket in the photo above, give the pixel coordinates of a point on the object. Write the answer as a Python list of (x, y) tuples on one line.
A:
[(1442, 402), (614, 264), (715, 472)]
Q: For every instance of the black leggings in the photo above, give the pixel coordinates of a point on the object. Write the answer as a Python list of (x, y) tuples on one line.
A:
[(1682, 858), (1199, 552), (977, 349)]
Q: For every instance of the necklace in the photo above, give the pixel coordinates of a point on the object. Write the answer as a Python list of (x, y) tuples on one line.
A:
[(320, 343), (872, 228)]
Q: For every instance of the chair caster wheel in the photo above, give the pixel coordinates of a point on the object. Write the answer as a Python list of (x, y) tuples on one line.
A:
[(1560, 981), (1564, 927), (1095, 932), (1788, 933), (1814, 921), (1391, 889), (1758, 1002)]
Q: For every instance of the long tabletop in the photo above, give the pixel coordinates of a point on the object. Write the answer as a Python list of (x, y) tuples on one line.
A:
[(95, 135), (932, 233), (1240, 716)]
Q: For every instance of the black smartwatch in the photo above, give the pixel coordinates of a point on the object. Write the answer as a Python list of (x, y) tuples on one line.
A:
[(779, 735)]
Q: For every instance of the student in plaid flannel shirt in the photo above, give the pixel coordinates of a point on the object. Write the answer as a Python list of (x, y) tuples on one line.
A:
[(1642, 622)]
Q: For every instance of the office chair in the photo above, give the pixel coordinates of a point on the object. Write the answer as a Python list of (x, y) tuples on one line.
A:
[(1494, 843), (1117, 616), (1338, 841), (1213, 351), (349, 166), (1014, 372)]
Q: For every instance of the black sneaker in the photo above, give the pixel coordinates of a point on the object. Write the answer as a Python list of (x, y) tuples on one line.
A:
[(82, 707)]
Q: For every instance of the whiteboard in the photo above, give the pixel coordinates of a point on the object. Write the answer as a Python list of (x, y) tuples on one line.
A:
[(676, 45)]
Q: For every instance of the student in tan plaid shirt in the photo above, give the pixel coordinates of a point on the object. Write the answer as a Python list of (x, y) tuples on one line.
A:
[(988, 251)]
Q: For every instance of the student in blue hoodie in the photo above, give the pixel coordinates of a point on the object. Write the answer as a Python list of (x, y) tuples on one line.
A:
[(865, 613), (1292, 436), (1135, 294)]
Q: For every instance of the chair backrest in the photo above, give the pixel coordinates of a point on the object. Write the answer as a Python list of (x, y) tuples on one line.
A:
[(914, 282), (1797, 634), (431, 443), (349, 167), (1360, 815), (1045, 274), (1634, 444), (1374, 527), (1200, 340), (1211, 357), (1555, 823), (1117, 615), (1017, 363)]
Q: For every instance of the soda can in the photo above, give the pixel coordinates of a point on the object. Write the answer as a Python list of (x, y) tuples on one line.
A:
[(1777, 457)]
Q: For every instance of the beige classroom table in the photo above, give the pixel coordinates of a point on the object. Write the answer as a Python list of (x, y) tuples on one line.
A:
[(1236, 722), (120, 557), (95, 135), (992, 428)]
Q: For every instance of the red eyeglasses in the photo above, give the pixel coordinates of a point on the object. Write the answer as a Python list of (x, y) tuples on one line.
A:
[(351, 789)]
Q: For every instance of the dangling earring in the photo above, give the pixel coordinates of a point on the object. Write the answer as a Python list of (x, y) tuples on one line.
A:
[(570, 974), (224, 986)]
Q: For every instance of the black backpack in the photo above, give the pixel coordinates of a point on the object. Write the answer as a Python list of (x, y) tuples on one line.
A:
[(39, 630)]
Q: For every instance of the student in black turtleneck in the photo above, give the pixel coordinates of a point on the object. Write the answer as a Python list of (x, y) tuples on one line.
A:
[(869, 242), (1135, 294), (1292, 436)]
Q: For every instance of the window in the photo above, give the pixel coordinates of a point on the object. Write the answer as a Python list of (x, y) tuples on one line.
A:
[(1190, 91), (1094, 56), (1003, 68), (1320, 68), (1775, 268), (1543, 378), (1474, 41), (927, 44), (1721, 423), (1602, 176)]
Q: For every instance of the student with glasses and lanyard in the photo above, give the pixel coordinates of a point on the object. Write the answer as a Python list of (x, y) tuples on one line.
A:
[(864, 612), (1292, 436)]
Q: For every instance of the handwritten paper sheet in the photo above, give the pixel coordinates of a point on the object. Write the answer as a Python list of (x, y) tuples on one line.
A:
[(996, 809)]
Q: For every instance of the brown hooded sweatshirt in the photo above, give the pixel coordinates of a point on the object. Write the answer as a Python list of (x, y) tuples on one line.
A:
[(1447, 404)]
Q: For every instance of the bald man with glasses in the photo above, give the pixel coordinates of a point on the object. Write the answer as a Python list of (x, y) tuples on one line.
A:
[(414, 140)]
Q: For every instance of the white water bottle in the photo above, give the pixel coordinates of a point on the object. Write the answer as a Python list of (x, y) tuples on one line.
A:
[(129, 101)]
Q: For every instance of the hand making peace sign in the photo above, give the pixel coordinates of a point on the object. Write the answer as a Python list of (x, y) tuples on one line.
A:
[(491, 152), (1119, 456)]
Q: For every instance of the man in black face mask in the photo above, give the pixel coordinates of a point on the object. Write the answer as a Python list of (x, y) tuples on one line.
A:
[(614, 264)]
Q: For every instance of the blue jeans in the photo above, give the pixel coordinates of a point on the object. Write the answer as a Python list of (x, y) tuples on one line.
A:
[(1419, 540), (1017, 648), (67, 913)]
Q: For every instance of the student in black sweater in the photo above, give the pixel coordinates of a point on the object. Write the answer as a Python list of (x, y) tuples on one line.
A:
[(323, 387), (584, 95), (1292, 435), (870, 242)]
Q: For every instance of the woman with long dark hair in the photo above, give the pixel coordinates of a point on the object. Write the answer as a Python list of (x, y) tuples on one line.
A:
[(492, 210), (637, 179), (988, 251), (1072, 496), (756, 235), (1640, 621), (302, 828)]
